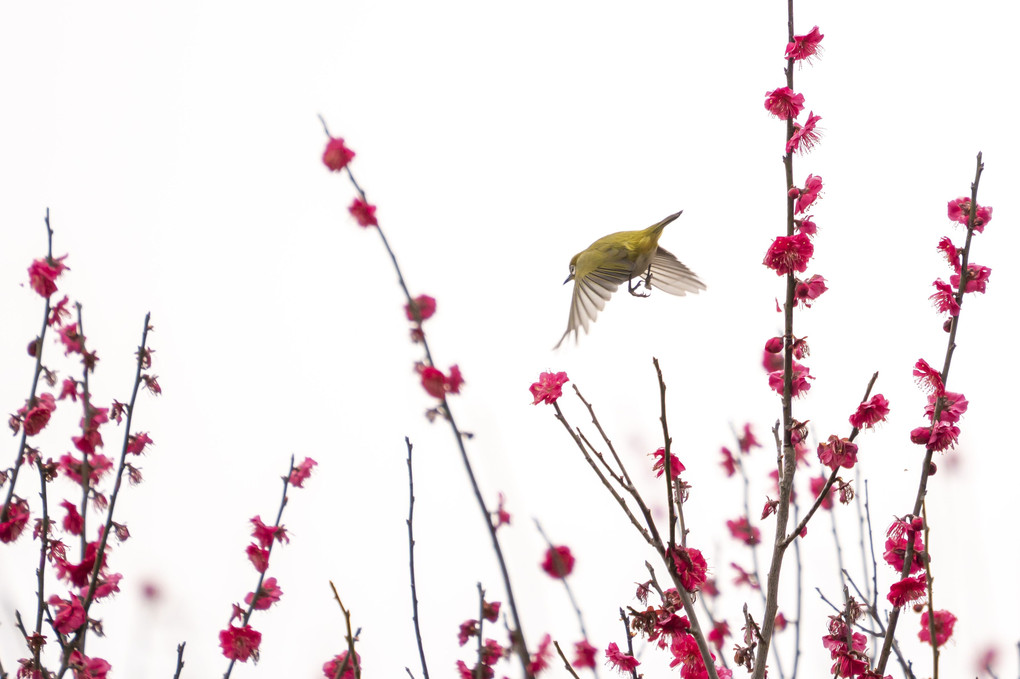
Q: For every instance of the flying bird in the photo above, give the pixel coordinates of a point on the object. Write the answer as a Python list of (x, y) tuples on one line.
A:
[(599, 269)]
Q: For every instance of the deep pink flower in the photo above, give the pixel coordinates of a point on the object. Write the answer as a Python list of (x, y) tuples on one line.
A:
[(939, 437), (17, 517), (801, 375), (466, 672), (908, 590), (774, 345), (741, 529), (137, 442), (817, 483), (805, 226), (804, 135), (837, 452), (85, 667), (72, 341), (691, 566), (68, 388), (944, 622), (454, 380), (728, 463), (549, 387), (950, 252), (720, 631), (809, 194), (363, 213), (805, 47), (337, 155), (266, 534), (619, 660), (424, 305), (43, 274), (953, 407), (268, 595), (330, 669), (71, 466), (900, 534), (490, 610), (959, 211), (928, 378), (433, 381), (59, 312), (809, 290), (977, 278), (584, 654), (743, 577), (258, 556), (747, 440), (69, 614), (79, 574), (240, 643), (675, 466), (944, 298), (436, 384), (540, 658), (789, 253), (783, 103), (301, 473), (36, 419), (559, 562), (772, 361), (492, 652), (502, 515), (870, 412), (468, 629), (72, 522)]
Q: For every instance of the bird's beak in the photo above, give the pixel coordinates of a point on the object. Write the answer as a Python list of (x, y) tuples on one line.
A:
[(669, 219), (569, 278)]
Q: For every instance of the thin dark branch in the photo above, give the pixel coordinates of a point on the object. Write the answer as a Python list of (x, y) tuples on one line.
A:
[(922, 488), (630, 642), (788, 466), (351, 637), (36, 372), (598, 472), (481, 621), (519, 642), (410, 549), (557, 564), (262, 575), (180, 660), (800, 597), (566, 663), (598, 426), (667, 460)]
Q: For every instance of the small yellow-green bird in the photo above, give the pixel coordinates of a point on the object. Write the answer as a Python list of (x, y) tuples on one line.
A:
[(618, 258)]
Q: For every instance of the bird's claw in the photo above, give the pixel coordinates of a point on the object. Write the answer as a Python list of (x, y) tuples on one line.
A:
[(645, 280)]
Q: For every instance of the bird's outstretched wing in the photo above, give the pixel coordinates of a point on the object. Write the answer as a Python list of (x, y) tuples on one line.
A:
[(591, 292), (670, 275)]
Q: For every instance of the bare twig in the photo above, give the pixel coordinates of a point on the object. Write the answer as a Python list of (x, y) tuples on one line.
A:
[(180, 659), (410, 549), (598, 472), (566, 663), (630, 643), (351, 637), (667, 460)]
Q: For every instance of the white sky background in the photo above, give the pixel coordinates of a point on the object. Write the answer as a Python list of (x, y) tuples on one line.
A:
[(178, 150)]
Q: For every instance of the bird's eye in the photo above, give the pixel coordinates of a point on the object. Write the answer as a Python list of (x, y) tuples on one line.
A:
[(571, 269)]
